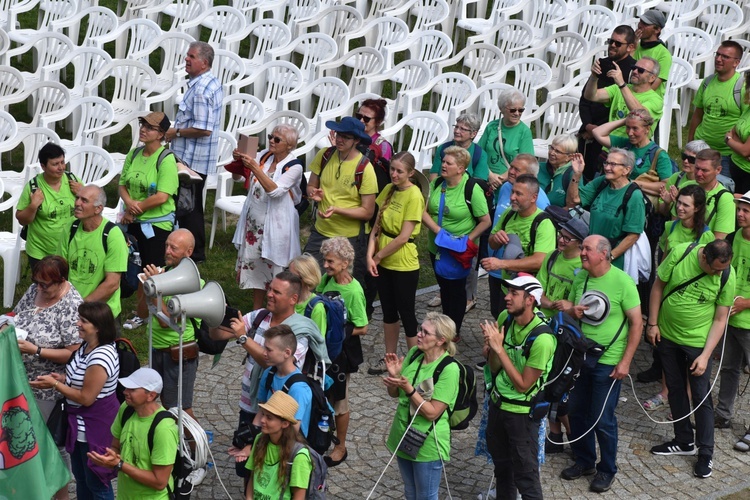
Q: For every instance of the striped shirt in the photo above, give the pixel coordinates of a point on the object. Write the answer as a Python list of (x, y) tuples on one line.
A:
[(104, 356)]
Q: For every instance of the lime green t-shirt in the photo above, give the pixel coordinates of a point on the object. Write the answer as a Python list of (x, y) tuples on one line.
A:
[(318, 314), (662, 54), (354, 299), (133, 437), (339, 190), (142, 179), (445, 391), (88, 262), (722, 208), (720, 112), (741, 264), (557, 283), (164, 337), (686, 316), (540, 357), (606, 217), (457, 217), (266, 482), (478, 158), (516, 140), (623, 296), (643, 160), (676, 234), (743, 131), (618, 109), (407, 205), (521, 226), (55, 213)]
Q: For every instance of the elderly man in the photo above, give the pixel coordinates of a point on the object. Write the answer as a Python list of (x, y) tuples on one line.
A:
[(688, 311), (194, 136), (522, 164), (95, 250), (606, 301)]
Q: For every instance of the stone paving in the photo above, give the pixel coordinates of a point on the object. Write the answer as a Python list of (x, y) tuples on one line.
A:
[(641, 475)]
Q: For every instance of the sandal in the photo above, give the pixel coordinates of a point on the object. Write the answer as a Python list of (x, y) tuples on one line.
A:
[(653, 403), (743, 444)]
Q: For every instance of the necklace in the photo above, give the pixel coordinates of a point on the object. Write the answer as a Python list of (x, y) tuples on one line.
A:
[(341, 161)]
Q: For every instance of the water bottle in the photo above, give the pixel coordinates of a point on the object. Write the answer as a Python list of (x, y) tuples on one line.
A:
[(323, 424), (137, 259), (152, 189)]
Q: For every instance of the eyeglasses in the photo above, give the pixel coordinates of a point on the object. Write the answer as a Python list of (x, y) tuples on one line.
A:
[(613, 164), (612, 41), (148, 126), (724, 57), (362, 117), (462, 129), (274, 138), (557, 151), (424, 333), (565, 239), (516, 110), (641, 70), (690, 159), (345, 137), (45, 286)]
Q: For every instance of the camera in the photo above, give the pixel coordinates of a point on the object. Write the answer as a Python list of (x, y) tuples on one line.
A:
[(245, 435)]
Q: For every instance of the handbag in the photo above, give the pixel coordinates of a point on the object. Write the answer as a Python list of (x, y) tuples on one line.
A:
[(446, 265), (57, 423)]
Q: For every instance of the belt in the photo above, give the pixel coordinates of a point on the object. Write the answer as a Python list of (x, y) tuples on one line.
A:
[(393, 236)]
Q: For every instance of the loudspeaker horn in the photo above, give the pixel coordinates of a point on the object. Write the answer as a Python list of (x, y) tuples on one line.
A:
[(184, 278), (208, 304)]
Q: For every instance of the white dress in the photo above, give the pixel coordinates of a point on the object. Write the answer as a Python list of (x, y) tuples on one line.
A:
[(267, 234)]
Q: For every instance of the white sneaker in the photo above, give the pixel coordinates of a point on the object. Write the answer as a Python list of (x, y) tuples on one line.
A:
[(492, 495), (196, 477), (133, 323)]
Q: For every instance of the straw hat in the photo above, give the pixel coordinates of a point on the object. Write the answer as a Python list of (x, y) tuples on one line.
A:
[(282, 405)]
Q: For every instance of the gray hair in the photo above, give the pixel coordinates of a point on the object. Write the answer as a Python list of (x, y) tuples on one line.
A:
[(629, 156), (696, 146), (567, 142), (205, 51), (532, 164), (101, 196), (341, 248), (603, 245), (471, 120), (657, 66), (289, 133), (508, 97)]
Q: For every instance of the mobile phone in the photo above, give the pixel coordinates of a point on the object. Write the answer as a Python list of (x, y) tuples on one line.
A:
[(606, 65), (229, 313)]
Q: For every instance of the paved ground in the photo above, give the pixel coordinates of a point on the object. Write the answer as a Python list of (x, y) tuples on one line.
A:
[(641, 474)]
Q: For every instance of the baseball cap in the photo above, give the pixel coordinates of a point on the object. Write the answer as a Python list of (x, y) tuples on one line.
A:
[(146, 378), (157, 119), (654, 17), (527, 283)]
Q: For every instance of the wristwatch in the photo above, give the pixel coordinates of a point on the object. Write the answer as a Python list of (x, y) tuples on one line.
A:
[(38, 353), (177, 133), (118, 467), (242, 339)]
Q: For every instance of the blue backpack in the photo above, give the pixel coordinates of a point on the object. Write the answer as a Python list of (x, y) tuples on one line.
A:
[(335, 320)]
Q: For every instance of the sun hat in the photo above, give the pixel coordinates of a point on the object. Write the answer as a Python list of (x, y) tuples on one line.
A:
[(654, 17), (745, 198), (576, 227), (157, 119), (511, 250), (282, 405), (350, 125), (527, 283), (598, 307), (146, 378)]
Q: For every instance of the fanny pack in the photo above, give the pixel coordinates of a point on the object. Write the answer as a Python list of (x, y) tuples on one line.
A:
[(190, 351)]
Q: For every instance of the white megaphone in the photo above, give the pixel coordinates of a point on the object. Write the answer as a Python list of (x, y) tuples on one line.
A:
[(207, 304), (184, 278)]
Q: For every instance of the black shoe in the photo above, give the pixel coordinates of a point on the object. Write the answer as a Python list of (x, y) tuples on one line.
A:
[(650, 375), (333, 463), (602, 482), (674, 448), (575, 471), (552, 444), (704, 467), (721, 422)]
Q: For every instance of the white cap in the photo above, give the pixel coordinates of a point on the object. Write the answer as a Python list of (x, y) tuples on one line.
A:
[(527, 283), (146, 378)]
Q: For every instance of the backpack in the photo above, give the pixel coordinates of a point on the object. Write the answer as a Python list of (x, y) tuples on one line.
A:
[(551, 263), (580, 213), (318, 438), (489, 195), (33, 186), (380, 165), (206, 344), (317, 487), (474, 157), (466, 406), (304, 202), (129, 279), (335, 333), (737, 93), (653, 153), (129, 363), (705, 228), (542, 216), (184, 198), (181, 469)]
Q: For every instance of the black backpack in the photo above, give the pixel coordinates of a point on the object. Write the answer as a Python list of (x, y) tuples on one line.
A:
[(489, 194), (304, 202), (128, 363), (318, 439), (542, 216)]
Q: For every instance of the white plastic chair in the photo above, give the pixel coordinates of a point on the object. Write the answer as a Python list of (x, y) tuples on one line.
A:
[(530, 76), (270, 82), (559, 51), (502, 10), (422, 14), (673, 10), (43, 99), (264, 35), (240, 111), (92, 164), (721, 19), (696, 47), (87, 62), (356, 66), (30, 140), (257, 10), (478, 61), (228, 68), (407, 75), (542, 12), (428, 131), (4, 45), (180, 12), (680, 74), (227, 144), (50, 48), (449, 93), (11, 84), (131, 83), (335, 21), (49, 12), (130, 37), (589, 21), (315, 49), (510, 37), (90, 116), (555, 117), (328, 91), (381, 33), (301, 11), (225, 25), (11, 245), (225, 202), (430, 47), (99, 22)]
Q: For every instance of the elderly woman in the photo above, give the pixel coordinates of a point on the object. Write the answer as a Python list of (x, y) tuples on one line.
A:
[(507, 136), (410, 380), (618, 219), (447, 210), (267, 235), (464, 132), (338, 261), (46, 204), (372, 114), (89, 386), (147, 187), (555, 174), (48, 313), (306, 267), (685, 177)]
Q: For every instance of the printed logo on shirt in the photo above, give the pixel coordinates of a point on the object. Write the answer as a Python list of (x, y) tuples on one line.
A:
[(85, 263), (716, 107)]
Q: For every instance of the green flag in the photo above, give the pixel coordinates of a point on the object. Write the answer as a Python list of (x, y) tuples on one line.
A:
[(30, 465)]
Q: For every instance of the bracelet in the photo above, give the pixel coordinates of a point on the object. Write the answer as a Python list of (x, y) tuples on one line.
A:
[(55, 386), (413, 391), (649, 326), (623, 85)]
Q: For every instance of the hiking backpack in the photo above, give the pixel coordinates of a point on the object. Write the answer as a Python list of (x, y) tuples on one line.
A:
[(129, 363), (489, 195), (335, 333), (466, 406), (540, 217), (184, 198), (317, 487)]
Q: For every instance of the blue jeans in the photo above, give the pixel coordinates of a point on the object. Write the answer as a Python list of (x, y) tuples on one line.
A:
[(88, 484), (421, 479), (586, 402)]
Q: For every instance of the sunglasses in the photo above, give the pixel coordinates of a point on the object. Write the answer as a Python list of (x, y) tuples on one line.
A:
[(363, 118), (516, 110), (641, 70), (611, 41), (274, 138), (690, 159)]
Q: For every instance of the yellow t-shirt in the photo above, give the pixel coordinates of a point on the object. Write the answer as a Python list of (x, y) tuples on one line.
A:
[(407, 205)]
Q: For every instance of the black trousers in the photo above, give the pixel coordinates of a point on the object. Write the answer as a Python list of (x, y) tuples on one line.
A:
[(195, 222)]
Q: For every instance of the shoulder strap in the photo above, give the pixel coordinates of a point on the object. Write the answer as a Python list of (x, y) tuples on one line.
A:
[(738, 91), (73, 229), (707, 80), (533, 334), (327, 154), (259, 317), (534, 227), (689, 282), (599, 190), (269, 379), (653, 154), (730, 237), (293, 379), (105, 234), (137, 151), (506, 219), (567, 176), (552, 259), (680, 176), (673, 225), (468, 193), (314, 301), (152, 430), (290, 164), (716, 199), (360, 170), (632, 187), (265, 157), (126, 414), (475, 156)]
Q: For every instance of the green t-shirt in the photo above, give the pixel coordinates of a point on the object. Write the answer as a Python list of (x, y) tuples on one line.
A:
[(354, 299), (134, 450), (445, 391), (618, 109), (457, 217), (623, 296), (557, 283), (676, 234), (142, 179), (554, 185), (318, 315), (606, 217), (723, 218), (743, 131), (643, 159), (339, 190), (720, 112), (662, 54), (407, 205), (55, 213), (741, 264), (516, 140), (266, 484), (540, 357), (164, 337), (478, 155), (88, 262), (686, 316), (521, 226)]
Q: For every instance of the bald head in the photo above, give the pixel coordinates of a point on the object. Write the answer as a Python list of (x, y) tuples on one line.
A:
[(180, 244)]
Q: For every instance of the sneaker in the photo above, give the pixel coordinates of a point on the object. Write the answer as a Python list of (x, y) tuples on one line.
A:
[(674, 448), (492, 495), (480, 366), (435, 302), (196, 477), (575, 471), (378, 368), (602, 482), (704, 467), (133, 323), (721, 422)]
